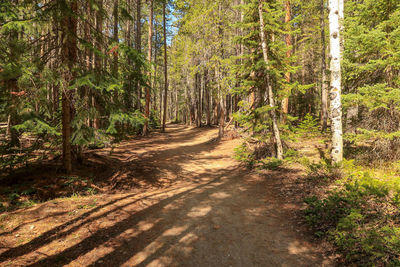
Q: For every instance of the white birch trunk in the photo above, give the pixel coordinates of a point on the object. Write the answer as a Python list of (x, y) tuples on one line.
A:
[(341, 26), (279, 148), (335, 90)]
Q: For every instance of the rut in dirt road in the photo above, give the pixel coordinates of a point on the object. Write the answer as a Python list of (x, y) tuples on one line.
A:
[(203, 209)]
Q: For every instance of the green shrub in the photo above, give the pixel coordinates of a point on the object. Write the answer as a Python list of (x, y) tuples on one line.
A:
[(321, 170), (244, 155), (291, 155), (270, 163), (308, 125), (361, 217)]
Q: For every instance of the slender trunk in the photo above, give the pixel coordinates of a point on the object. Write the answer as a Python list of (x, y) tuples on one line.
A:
[(220, 107), (161, 102), (12, 84), (176, 105), (221, 122), (55, 91), (115, 39), (128, 30), (324, 85), (288, 42), (138, 47), (88, 52), (335, 92), (207, 97), (98, 61), (218, 77), (198, 102), (341, 26), (69, 58), (279, 148), (149, 58), (154, 84), (165, 68)]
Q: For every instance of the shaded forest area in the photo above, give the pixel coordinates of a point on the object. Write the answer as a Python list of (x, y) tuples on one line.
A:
[(310, 83)]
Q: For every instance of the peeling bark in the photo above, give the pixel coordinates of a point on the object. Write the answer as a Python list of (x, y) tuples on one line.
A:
[(335, 91)]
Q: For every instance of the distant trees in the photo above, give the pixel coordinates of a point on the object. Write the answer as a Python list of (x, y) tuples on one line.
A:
[(232, 63), (74, 74)]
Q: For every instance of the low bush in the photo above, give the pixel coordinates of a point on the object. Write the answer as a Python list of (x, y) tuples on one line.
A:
[(361, 216), (244, 155)]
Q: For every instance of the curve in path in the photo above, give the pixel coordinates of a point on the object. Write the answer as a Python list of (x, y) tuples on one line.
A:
[(206, 211)]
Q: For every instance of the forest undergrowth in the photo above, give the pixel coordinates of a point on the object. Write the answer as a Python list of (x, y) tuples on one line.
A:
[(354, 205)]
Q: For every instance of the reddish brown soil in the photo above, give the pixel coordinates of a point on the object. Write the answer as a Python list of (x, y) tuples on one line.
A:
[(175, 199)]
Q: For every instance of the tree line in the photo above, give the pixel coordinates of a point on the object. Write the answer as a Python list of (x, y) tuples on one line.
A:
[(272, 64), (80, 74)]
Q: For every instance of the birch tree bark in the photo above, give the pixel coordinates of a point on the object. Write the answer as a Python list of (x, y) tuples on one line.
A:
[(279, 148), (335, 90)]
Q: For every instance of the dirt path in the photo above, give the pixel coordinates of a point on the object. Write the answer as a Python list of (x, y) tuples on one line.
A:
[(195, 207)]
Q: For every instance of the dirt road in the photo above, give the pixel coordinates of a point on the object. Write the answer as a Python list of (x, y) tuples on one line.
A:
[(194, 206)]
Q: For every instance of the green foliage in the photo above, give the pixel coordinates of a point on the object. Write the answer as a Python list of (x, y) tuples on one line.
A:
[(32, 83), (373, 146), (371, 84), (322, 170), (291, 155), (309, 125), (154, 120), (118, 121), (244, 155), (270, 163), (360, 215)]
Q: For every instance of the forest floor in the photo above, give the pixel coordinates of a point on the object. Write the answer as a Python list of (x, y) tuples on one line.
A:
[(174, 199)]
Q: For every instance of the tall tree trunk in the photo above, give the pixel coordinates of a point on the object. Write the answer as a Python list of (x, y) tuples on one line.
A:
[(324, 85), (176, 105), (138, 46), (154, 83), (149, 58), (98, 59), (128, 31), (218, 77), (165, 68), (288, 42), (341, 26), (207, 97), (335, 93), (69, 59), (279, 148), (88, 52), (221, 123), (198, 102), (12, 84), (115, 39)]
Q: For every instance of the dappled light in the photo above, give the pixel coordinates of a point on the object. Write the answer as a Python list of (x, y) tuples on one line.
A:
[(211, 212), (200, 133)]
